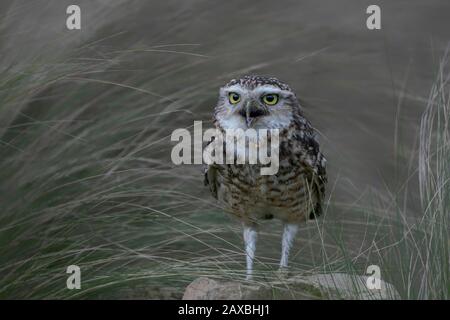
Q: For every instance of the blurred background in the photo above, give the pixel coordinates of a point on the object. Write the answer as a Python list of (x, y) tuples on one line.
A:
[(86, 117)]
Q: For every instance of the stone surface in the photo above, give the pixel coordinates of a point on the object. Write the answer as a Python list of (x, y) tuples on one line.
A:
[(319, 286), (210, 289)]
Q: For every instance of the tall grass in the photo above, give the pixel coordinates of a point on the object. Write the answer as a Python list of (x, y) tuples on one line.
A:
[(434, 182), (412, 249)]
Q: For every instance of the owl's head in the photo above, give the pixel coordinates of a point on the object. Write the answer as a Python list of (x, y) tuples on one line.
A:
[(256, 102)]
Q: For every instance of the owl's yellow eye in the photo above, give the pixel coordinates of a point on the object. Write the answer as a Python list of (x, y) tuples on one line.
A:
[(234, 97), (270, 99)]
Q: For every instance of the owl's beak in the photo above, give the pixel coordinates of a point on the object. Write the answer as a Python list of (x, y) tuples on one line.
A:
[(251, 112), (248, 118)]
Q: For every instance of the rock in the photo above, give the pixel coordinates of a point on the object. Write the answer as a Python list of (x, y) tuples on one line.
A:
[(210, 289), (319, 286)]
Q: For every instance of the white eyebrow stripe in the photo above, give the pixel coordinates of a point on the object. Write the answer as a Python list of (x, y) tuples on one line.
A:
[(234, 88), (262, 89), (270, 89)]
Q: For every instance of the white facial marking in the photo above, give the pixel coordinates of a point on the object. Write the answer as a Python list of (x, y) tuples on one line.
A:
[(234, 88), (278, 117), (269, 89)]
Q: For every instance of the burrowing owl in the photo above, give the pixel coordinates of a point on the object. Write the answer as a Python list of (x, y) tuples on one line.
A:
[(295, 193)]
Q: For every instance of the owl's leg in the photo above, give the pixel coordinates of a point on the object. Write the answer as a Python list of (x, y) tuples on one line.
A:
[(289, 232), (250, 237)]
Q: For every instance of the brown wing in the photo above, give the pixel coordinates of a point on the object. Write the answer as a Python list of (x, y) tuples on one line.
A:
[(315, 161), (210, 176), (320, 183)]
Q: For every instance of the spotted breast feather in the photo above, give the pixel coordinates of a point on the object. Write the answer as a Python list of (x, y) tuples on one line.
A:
[(296, 191)]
